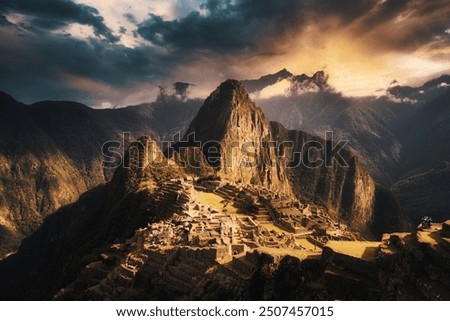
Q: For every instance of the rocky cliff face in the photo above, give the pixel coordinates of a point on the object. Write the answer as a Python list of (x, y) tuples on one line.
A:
[(365, 122), (235, 136)]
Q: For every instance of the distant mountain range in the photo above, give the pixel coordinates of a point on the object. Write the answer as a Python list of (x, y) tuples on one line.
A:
[(298, 84), (401, 137)]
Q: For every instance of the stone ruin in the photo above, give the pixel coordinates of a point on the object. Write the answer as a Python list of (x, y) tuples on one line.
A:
[(274, 222), (202, 236)]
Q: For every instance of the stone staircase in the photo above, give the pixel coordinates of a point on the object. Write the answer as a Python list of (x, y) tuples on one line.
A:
[(171, 198), (263, 215), (236, 237), (163, 263), (94, 279), (228, 192)]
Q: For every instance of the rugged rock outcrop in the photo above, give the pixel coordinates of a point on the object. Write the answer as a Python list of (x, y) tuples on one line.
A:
[(235, 138), (367, 123)]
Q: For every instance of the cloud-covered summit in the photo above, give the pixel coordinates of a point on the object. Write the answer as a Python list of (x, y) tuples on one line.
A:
[(284, 83)]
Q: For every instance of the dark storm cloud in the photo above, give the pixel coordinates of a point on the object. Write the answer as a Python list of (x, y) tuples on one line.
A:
[(3, 20), (182, 89), (38, 67), (227, 26), (36, 64), (35, 61), (55, 14)]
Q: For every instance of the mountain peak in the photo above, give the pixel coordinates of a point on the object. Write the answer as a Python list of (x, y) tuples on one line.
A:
[(229, 101), (320, 76), (299, 84), (231, 88), (231, 83), (254, 85), (283, 73), (230, 95), (230, 123), (143, 162)]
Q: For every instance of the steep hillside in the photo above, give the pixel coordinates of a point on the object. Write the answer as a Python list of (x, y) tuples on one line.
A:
[(425, 194), (51, 152), (363, 122), (423, 180), (57, 250)]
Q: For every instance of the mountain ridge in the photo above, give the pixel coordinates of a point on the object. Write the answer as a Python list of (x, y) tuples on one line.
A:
[(254, 85), (53, 256)]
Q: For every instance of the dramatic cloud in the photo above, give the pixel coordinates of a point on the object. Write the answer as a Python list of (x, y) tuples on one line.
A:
[(49, 15), (240, 27), (47, 66), (111, 52)]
